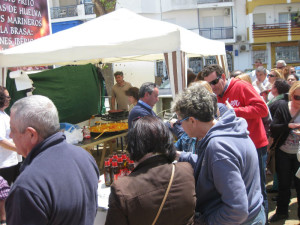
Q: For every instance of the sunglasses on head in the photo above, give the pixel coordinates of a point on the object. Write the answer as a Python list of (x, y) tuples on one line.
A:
[(271, 75), (296, 97), (215, 81)]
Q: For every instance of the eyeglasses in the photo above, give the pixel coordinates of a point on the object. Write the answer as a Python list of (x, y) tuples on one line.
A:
[(214, 82), (296, 97), (271, 75), (180, 121), (293, 72)]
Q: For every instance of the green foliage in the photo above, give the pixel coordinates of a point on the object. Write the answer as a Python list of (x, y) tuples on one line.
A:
[(108, 5)]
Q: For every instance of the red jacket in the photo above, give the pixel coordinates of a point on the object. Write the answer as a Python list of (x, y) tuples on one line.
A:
[(250, 106)]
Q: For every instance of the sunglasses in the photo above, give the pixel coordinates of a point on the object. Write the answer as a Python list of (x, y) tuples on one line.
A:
[(180, 121), (296, 97), (271, 75), (214, 82)]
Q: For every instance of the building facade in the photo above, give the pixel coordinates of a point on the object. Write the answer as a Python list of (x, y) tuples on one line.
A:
[(251, 29)]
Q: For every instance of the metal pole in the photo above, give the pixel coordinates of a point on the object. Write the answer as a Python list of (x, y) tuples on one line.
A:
[(160, 10)]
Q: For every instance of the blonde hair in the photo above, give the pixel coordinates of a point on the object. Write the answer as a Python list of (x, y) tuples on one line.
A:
[(244, 77), (293, 88), (278, 73), (204, 84), (286, 72)]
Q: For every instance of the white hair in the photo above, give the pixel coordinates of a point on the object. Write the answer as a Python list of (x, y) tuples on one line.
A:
[(281, 62), (38, 112)]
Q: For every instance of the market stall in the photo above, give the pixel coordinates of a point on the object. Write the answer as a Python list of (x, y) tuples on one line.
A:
[(120, 36)]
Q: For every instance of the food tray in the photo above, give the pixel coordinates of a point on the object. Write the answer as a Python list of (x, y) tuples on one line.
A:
[(109, 128)]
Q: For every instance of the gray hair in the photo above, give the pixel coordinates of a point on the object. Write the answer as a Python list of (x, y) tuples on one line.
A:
[(261, 69), (196, 101), (146, 87), (38, 112), (281, 61)]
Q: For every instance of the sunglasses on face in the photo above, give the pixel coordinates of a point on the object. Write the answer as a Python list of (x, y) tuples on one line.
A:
[(271, 75), (180, 121), (297, 97), (215, 81)]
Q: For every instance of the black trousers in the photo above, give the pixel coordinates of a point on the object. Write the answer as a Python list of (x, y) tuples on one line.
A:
[(286, 168), (10, 174)]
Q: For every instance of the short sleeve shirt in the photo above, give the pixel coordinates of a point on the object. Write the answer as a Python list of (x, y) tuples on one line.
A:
[(119, 93)]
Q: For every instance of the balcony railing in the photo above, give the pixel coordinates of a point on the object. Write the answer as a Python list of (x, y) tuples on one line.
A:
[(275, 29), (211, 1), (217, 32), (70, 11)]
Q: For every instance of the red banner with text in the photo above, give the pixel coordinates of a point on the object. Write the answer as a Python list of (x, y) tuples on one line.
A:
[(22, 21)]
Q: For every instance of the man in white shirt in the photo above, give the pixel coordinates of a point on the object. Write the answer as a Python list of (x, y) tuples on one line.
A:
[(258, 63), (261, 82)]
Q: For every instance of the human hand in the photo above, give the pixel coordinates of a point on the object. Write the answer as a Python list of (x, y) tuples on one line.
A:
[(294, 125), (228, 105)]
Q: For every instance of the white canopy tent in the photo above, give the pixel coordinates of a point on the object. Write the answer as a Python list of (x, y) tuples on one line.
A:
[(120, 36)]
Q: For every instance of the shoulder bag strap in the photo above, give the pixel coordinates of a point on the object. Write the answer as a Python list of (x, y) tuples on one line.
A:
[(166, 194)]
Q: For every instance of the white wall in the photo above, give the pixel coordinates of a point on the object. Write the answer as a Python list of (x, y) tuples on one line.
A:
[(136, 73), (185, 18)]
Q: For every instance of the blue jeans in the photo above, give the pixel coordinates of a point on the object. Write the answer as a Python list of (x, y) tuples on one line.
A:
[(260, 219), (262, 159)]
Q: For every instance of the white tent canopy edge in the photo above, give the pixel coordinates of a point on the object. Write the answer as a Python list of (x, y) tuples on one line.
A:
[(120, 36)]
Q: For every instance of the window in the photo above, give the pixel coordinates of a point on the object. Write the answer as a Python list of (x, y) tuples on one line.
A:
[(289, 54), (262, 55), (259, 18), (196, 64), (210, 60), (161, 69)]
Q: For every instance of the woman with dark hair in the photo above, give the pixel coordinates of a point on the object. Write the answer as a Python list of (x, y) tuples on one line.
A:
[(137, 198), (279, 90), (133, 96), (9, 168)]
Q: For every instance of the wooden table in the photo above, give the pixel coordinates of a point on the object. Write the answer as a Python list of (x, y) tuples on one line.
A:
[(87, 144)]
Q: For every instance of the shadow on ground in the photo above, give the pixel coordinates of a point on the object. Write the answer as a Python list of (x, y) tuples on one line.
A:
[(293, 218)]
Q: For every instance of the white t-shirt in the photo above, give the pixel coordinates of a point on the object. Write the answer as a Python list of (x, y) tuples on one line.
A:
[(8, 158)]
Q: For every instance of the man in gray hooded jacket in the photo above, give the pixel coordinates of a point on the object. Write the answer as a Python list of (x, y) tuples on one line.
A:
[(226, 165)]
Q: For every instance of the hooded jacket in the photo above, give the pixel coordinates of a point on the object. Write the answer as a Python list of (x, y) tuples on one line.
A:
[(248, 105), (226, 173)]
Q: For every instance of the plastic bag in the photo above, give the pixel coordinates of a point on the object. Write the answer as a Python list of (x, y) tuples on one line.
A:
[(72, 132)]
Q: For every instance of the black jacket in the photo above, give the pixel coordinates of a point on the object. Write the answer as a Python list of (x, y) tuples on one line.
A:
[(279, 126), (57, 185)]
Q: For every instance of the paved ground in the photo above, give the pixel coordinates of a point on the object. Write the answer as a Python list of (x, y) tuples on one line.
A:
[(293, 218)]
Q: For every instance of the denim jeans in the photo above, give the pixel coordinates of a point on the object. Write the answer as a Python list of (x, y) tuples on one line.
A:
[(286, 168), (262, 161), (260, 219)]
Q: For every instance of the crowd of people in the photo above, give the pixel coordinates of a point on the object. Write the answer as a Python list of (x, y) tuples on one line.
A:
[(229, 132)]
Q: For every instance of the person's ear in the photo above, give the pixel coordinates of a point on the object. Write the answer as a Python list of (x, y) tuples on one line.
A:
[(193, 120), (223, 76), (33, 134)]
